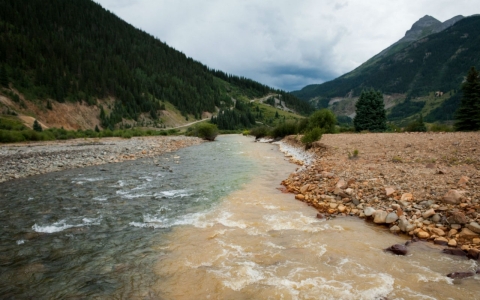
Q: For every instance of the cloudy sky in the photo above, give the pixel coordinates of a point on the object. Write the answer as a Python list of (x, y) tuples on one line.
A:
[(286, 44)]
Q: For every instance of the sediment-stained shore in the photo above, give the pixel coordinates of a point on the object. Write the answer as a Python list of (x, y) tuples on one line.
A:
[(426, 185), (27, 159)]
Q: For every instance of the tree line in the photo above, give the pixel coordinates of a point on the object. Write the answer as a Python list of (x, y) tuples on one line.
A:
[(77, 51)]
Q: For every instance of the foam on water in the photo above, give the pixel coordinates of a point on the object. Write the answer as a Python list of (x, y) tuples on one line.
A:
[(62, 225), (174, 193), (297, 153)]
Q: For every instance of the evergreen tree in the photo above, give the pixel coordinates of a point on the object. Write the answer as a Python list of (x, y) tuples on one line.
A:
[(468, 113), (97, 129), (37, 126), (370, 112), (276, 115), (3, 76)]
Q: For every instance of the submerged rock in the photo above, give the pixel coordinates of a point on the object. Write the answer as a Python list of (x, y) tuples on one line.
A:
[(456, 252), (460, 275), (397, 249)]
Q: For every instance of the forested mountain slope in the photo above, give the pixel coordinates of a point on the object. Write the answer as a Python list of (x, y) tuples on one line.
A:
[(437, 62), (75, 50)]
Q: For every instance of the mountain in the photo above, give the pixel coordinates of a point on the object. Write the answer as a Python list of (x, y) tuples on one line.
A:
[(64, 53), (433, 56)]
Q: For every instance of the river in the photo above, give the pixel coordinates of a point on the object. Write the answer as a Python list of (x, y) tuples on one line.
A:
[(206, 222)]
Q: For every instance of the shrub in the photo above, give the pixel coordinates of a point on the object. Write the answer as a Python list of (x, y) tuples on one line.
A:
[(206, 131), (440, 128), (284, 129), (259, 132), (7, 136), (312, 136), (324, 119)]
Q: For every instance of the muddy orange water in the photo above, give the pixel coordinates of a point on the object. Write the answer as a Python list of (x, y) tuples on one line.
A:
[(259, 243)]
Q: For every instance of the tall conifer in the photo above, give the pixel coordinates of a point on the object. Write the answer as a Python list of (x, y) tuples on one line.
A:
[(468, 113), (370, 112)]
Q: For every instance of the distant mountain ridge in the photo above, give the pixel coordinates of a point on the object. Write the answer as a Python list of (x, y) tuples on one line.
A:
[(423, 27), (432, 56)]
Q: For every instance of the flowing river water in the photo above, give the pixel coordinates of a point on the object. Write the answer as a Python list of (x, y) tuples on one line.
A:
[(207, 222)]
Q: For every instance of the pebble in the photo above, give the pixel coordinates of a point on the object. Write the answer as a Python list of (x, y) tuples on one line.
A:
[(23, 160)]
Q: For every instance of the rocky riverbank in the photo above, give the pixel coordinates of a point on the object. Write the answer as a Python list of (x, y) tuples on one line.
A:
[(426, 185), (26, 159)]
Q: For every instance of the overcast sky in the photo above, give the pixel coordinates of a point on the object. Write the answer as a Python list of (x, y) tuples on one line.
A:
[(286, 44)]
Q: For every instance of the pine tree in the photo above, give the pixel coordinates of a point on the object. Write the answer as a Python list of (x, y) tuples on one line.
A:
[(468, 113), (37, 126), (370, 112), (97, 129)]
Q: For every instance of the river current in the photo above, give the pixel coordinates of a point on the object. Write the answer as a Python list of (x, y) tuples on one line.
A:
[(205, 222)]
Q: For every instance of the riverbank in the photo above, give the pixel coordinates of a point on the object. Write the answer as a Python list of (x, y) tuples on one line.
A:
[(425, 185), (27, 159)]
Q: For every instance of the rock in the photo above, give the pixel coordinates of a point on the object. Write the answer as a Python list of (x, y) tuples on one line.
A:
[(325, 174), (452, 197), (474, 226), (320, 216), (304, 189), (460, 275), (403, 223), (452, 243), (428, 213), (341, 184), (368, 211), (395, 229), (391, 217), (380, 216), (399, 212), (389, 191), (455, 252), (341, 208), (467, 233), (397, 249), (437, 231), (333, 205), (457, 218), (349, 191), (473, 253), (441, 241), (436, 218), (476, 241), (463, 180), (423, 234), (407, 197), (300, 197)]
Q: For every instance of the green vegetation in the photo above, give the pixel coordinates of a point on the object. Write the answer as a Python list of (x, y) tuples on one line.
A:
[(37, 126), (416, 126), (322, 121), (311, 136), (370, 111), (13, 131), (206, 131), (468, 114), (77, 51)]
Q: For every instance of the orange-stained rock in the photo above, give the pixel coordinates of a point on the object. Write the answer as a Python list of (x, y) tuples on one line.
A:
[(300, 197), (389, 191)]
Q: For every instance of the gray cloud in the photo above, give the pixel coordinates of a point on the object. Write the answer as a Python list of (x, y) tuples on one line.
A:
[(282, 43)]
